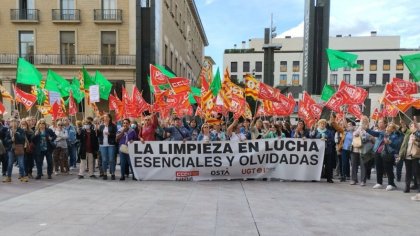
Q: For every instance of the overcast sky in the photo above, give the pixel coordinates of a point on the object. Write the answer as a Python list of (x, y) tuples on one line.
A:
[(229, 22)]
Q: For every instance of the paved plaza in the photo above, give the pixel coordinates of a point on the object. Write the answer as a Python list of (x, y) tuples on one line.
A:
[(66, 205)]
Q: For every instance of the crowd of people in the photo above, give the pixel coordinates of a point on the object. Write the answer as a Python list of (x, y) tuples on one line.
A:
[(96, 143)]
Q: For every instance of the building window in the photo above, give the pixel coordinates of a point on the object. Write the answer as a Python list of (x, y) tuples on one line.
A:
[(108, 10), (372, 79), (234, 78), (175, 65), (283, 79), (165, 56), (399, 75), (171, 59), (108, 47), (258, 77), (67, 47), (234, 66), (400, 65), (346, 78), (373, 65), (359, 79), (410, 77), (361, 64), (26, 45), (283, 66), (258, 66), (387, 65), (346, 68), (385, 78), (333, 79), (246, 66), (295, 79), (296, 66), (67, 10)]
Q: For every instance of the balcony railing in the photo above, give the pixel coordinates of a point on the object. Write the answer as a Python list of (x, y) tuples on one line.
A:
[(107, 15), (24, 14), (71, 59), (66, 15)]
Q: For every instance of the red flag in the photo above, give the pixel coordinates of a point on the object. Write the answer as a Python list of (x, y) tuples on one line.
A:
[(237, 106), (375, 116), (113, 102), (157, 77), (389, 110), (406, 87), (395, 96), (140, 103), (72, 105), (314, 109), (180, 85), (57, 111), (177, 100), (352, 94), (304, 112), (336, 101), (27, 99), (355, 110), (2, 109), (129, 106)]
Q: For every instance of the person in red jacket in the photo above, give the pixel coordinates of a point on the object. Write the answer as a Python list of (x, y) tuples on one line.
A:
[(147, 131)]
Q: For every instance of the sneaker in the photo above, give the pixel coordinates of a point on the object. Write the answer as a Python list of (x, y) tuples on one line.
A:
[(24, 179), (122, 178), (105, 177), (362, 184), (353, 182), (377, 186), (416, 198), (390, 188), (93, 177), (56, 173), (81, 177), (7, 179)]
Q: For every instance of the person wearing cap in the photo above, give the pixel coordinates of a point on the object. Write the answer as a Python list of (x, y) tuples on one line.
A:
[(178, 132)]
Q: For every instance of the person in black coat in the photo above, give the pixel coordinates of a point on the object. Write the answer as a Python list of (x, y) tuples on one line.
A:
[(3, 155), (88, 146), (43, 140), (107, 145)]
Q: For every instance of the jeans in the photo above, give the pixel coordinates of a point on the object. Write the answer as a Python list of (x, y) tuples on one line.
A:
[(21, 163), (72, 149), (124, 160), (107, 154), (345, 164), (40, 162)]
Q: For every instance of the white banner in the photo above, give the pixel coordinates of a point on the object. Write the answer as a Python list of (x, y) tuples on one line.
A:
[(291, 159), (94, 93)]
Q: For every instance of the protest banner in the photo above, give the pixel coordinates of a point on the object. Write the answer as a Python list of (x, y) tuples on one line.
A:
[(291, 159)]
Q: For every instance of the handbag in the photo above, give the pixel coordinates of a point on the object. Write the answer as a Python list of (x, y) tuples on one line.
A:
[(18, 149), (415, 149), (357, 142), (124, 148)]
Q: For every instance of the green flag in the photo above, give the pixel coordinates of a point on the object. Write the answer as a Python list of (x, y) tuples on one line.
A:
[(75, 88), (195, 92), (338, 59), (57, 83), (327, 92), (87, 79), (104, 85), (165, 71), (413, 64), (26, 73), (40, 96), (216, 84)]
